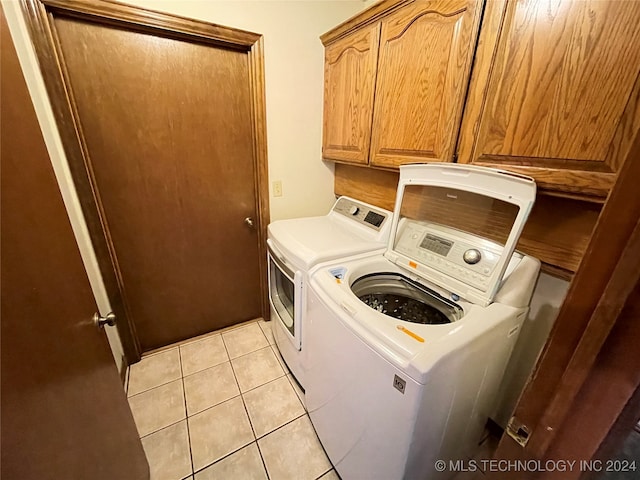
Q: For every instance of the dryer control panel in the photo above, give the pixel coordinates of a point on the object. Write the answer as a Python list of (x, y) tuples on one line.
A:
[(361, 213), (457, 254)]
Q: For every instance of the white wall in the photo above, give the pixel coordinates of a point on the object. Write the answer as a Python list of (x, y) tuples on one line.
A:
[(294, 82), (548, 297), (294, 59)]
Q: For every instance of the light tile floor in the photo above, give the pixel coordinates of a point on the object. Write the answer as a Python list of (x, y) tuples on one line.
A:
[(224, 406)]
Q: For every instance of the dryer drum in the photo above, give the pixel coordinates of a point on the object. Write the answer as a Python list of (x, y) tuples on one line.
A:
[(399, 297)]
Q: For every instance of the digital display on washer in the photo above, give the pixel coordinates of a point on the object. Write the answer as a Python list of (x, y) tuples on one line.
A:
[(438, 245), (374, 218)]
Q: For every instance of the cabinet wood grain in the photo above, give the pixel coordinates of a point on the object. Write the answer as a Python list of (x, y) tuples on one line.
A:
[(425, 55), (557, 232), (349, 80), (556, 94)]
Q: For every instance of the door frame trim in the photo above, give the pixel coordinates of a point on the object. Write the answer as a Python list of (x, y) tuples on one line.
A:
[(39, 17)]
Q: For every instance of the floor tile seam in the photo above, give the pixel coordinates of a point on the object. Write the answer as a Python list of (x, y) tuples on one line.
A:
[(152, 388), (144, 356), (263, 384), (278, 355), (323, 474), (241, 394), (304, 409), (263, 334), (213, 406), (246, 411), (291, 381), (283, 425), (254, 351), (246, 326), (264, 463), (248, 353), (186, 412), (224, 457), (233, 370), (163, 428), (228, 360), (204, 336), (313, 427)]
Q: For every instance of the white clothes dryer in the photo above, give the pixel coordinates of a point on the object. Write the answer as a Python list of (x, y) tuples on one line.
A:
[(296, 245), (407, 349)]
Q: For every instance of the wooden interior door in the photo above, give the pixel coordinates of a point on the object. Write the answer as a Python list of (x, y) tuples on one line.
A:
[(349, 82), (64, 411), (161, 118), (556, 92), (425, 57)]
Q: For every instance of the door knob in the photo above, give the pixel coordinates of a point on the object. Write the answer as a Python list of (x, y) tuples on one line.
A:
[(249, 221), (109, 319)]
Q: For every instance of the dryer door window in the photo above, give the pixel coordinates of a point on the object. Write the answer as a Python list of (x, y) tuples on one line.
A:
[(285, 288)]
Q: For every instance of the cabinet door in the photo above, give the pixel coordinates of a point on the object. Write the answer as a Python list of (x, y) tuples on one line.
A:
[(426, 50), (555, 93), (349, 79)]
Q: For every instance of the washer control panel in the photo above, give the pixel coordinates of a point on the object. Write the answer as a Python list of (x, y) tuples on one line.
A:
[(361, 213), (456, 254)]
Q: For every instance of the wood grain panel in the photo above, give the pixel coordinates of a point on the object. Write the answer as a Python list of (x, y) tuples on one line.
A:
[(555, 94), (115, 12), (423, 70), (366, 17), (557, 232), (349, 81), (261, 164), (40, 16), (174, 177), (64, 411)]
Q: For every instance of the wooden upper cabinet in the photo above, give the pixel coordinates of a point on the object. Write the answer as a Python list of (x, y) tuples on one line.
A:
[(349, 81), (555, 93), (426, 49)]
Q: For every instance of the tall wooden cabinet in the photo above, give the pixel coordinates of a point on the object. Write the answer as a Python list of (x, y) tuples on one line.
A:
[(418, 57), (555, 93), (349, 82), (549, 89)]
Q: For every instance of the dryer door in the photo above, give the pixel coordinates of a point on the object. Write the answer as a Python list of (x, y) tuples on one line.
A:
[(285, 295)]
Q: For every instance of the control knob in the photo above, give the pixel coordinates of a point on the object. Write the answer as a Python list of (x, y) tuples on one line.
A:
[(353, 210), (472, 256)]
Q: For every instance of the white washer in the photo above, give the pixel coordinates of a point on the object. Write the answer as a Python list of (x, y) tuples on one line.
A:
[(389, 396), (296, 245)]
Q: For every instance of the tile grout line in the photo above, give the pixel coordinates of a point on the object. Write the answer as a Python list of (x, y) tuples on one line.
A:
[(322, 447), (235, 396), (222, 458), (199, 371), (153, 388), (255, 439), (186, 412), (264, 464)]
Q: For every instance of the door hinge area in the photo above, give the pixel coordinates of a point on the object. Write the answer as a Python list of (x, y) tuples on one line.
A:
[(518, 431), (108, 319)]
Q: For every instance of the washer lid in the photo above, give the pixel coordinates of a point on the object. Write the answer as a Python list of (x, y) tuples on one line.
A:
[(458, 225)]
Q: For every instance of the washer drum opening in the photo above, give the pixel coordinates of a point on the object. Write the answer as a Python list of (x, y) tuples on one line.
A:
[(401, 298)]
